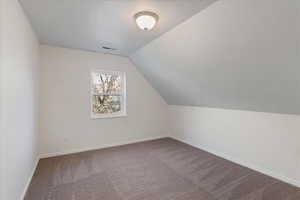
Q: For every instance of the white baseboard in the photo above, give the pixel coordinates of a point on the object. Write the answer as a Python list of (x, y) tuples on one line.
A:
[(262, 170), (53, 154), (30, 178)]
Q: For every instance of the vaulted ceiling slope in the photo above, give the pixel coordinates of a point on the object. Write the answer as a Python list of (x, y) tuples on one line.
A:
[(235, 54), (91, 24)]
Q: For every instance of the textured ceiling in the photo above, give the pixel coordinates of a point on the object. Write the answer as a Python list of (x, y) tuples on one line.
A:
[(235, 54), (90, 24)]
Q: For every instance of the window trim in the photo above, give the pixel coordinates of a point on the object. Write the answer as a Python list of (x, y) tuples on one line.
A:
[(123, 112)]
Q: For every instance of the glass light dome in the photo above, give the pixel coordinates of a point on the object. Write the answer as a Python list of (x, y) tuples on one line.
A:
[(146, 20)]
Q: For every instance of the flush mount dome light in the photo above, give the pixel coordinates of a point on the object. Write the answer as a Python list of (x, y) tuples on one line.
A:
[(146, 20)]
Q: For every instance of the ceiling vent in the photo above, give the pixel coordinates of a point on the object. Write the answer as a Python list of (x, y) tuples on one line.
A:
[(108, 48)]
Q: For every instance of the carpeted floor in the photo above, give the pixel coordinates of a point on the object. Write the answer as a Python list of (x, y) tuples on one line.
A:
[(163, 169)]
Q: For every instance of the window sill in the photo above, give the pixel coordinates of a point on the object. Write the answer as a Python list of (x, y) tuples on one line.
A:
[(107, 116)]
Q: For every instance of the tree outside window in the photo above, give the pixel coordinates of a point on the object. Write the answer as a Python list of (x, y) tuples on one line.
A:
[(107, 94)]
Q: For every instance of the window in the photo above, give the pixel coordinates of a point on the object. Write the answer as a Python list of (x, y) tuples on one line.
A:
[(108, 94)]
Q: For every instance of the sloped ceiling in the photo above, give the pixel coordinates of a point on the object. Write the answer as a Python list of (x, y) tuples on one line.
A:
[(91, 24), (235, 54)]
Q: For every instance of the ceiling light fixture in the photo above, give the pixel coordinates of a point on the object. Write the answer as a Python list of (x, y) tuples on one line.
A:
[(146, 20)]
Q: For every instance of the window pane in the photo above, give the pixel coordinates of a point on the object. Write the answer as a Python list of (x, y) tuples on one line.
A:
[(103, 83), (106, 104)]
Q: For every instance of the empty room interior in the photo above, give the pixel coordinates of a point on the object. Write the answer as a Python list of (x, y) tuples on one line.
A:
[(150, 100)]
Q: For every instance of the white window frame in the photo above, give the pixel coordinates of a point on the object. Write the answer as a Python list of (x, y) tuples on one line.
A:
[(122, 113)]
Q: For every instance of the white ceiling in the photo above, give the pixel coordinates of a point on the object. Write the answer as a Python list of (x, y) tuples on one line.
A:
[(91, 24), (235, 54)]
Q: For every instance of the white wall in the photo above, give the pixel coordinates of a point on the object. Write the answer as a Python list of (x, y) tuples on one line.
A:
[(66, 125), (263, 141), (19, 99), (1, 104)]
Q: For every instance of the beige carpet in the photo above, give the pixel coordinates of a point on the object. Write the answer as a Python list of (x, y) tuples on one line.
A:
[(163, 169)]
